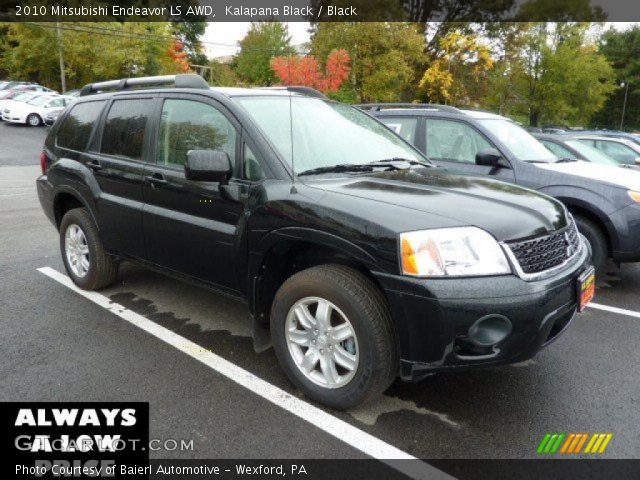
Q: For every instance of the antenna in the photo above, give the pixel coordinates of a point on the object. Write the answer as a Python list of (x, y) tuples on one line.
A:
[(291, 120)]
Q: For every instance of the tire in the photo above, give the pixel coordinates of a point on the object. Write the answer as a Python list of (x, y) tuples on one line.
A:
[(102, 269), (597, 240), (356, 301), (34, 120)]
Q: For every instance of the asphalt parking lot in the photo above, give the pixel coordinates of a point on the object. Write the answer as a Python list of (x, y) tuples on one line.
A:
[(58, 345)]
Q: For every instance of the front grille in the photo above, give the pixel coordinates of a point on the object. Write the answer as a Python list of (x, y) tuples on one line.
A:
[(548, 251)]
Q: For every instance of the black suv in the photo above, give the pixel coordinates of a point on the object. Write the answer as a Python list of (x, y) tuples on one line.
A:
[(605, 201), (360, 261)]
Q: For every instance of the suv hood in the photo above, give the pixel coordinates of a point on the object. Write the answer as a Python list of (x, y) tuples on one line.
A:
[(506, 211), (622, 177)]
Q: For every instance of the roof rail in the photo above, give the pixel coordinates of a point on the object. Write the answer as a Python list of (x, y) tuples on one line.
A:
[(308, 91), (431, 106), (186, 80)]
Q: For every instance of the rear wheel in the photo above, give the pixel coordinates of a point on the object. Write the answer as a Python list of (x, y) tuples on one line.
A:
[(83, 254), (598, 242), (333, 335), (34, 120)]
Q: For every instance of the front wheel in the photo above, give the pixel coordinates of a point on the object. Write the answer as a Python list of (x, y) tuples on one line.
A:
[(333, 335), (597, 241), (34, 120)]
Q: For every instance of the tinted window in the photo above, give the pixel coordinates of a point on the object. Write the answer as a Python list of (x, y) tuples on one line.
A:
[(75, 129), (189, 125), (405, 127), (456, 141), (124, 129)]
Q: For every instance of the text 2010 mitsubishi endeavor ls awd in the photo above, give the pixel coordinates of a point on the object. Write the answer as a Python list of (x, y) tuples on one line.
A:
[(359, 260)]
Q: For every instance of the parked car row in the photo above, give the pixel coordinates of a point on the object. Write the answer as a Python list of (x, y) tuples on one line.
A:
[(32, 108), (603, 199), (360, 259)]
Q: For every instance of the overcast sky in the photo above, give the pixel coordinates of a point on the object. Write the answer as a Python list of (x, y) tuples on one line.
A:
[(221, 38)]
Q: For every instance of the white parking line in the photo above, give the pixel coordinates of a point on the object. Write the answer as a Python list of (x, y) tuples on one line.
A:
[(621, 311), (358, 439)]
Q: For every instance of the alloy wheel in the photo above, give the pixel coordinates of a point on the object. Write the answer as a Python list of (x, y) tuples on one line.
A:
[(76, 250), (322, 342)]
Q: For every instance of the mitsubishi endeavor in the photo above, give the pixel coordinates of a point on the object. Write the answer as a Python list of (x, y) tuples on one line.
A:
[(359, 259)]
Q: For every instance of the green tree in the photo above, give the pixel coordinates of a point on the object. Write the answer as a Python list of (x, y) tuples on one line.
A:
[(567, 80), (92, 51), (263, 41), (222, 75), (622, 50), (384, 56), (190, 32), (459, 74)]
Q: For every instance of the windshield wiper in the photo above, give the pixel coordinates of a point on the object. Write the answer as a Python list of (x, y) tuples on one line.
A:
[(387, 164), (342, 167), (393, 163)]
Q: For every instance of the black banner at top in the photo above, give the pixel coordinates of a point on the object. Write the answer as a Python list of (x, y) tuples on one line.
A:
[(320, 10)]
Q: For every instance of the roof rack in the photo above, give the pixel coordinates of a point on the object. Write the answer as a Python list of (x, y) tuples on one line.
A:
[(308, 91), (186, 80), (430, 106)]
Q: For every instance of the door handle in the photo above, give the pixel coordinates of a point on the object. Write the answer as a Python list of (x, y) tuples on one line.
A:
[(94, 165), (156, 179)]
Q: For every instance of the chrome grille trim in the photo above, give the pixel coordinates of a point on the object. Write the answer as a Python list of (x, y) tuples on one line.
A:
[(569, 239)]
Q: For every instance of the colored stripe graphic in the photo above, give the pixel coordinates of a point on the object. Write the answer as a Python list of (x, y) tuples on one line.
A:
[(573, 443)]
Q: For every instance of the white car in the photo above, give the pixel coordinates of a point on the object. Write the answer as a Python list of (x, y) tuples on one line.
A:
[(33, 111), (19, 97)]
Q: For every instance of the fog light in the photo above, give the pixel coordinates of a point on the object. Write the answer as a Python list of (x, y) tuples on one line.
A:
[(489, 330)]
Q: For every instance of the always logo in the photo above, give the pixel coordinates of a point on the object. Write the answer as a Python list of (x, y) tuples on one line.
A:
[(74, 439), (574, 443), (76, 417)]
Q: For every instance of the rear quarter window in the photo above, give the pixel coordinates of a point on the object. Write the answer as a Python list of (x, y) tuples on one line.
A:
[(76, 127)]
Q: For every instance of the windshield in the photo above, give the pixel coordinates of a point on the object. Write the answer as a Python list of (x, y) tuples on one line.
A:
[(590, 153), (324, 133), (38, 101), (520, 142)]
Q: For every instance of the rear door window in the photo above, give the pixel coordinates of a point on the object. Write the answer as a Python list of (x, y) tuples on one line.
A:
[(405, 127), (125, 127), (454, 141), (76, 128)]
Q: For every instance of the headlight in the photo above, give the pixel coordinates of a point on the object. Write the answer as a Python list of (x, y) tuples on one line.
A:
[(635, 196), (459, 251)]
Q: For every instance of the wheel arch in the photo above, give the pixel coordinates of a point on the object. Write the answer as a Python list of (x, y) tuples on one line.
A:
[(64, 200), (599, 218), (289, 251)]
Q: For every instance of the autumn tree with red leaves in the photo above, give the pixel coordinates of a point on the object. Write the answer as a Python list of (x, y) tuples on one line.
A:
[(306, 71), (179, 56)]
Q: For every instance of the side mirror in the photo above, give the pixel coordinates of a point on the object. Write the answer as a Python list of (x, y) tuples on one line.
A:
[(208, 166), (489, 157)]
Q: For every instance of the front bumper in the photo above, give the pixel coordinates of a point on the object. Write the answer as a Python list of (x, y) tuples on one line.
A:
[(627, 226), (13, 117), (433, 317)]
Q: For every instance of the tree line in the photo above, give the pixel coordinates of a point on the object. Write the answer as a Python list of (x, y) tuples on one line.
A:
[(539, 73)]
